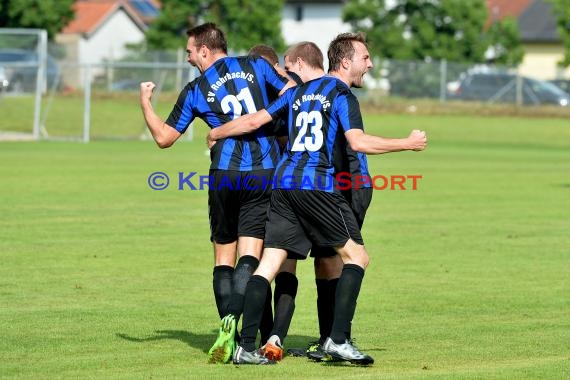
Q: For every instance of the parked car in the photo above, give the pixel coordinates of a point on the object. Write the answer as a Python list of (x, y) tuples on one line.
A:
[(126, 85), (20, 69), (563, 84), (500, 87)]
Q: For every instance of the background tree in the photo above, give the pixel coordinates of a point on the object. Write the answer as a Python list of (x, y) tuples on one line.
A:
[(51, 15), (562, 12), (246, 22), (503, 38), (420, 29), (415, 35), (168, 29)]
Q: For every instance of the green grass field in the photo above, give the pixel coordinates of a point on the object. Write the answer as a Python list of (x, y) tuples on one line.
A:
[(102, 277)]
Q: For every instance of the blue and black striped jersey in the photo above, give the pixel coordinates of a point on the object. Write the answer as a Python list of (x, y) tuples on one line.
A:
[(353, 163), (358, 165), (231, 87), (319, 112)]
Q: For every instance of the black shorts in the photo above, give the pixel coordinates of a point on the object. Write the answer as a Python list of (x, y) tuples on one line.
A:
[(238, 203), (359, 200), (299, 219)]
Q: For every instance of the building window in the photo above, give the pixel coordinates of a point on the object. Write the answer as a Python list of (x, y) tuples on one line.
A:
[(299, 13)]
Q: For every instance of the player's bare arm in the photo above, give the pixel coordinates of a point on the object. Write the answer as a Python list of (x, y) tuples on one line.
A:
[(240, 126), (369, 144), (163, 134)]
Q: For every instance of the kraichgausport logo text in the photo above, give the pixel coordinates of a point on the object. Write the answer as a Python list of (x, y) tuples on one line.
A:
[(342, 181)]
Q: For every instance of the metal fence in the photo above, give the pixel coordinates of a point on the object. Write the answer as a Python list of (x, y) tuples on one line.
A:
[(56, 98), (451, 81)]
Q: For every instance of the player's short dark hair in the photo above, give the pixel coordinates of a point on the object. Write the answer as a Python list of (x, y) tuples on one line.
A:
[(266, 52), (308, 52), (342, 47), (210, 35)]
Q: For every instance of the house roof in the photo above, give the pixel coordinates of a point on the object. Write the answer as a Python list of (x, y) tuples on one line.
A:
[(91, 14), (499, 9), (535, 18), (538, 23), (147, 10)]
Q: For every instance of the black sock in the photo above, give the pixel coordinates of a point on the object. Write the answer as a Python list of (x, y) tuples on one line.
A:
[(266, 324), (286, 285), (222, 284), (255, 295), (244, 269), (347, 292), (326, 290)]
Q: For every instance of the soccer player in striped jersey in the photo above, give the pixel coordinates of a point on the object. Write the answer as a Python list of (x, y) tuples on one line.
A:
[(227, 88), (266, 327), (327, 264), (306, 207), (286, 281)]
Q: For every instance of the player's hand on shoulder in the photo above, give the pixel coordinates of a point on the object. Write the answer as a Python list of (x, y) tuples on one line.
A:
[(417, 140)]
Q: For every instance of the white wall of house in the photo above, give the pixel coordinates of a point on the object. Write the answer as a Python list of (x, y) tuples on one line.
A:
[(320, 24), (109, 40), (540, 61)]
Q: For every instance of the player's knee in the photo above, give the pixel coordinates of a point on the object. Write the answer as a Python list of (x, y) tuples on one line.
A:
[(363, 255), (365, 260), (328, 267), (289, 266), (359, 256), (270, 263)]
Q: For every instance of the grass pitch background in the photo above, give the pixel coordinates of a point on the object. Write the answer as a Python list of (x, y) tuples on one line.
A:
[(102, 277)]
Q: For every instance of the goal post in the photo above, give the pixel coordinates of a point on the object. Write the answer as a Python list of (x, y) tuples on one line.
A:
[(23, 62)]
